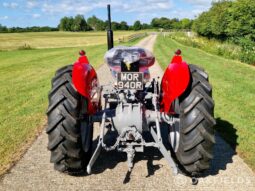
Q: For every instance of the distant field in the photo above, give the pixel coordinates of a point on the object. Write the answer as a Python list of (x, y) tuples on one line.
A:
[(25, 77), (12, 41), (233, 93)]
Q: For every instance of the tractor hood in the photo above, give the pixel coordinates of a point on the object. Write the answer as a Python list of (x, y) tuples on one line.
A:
[(128, 59)]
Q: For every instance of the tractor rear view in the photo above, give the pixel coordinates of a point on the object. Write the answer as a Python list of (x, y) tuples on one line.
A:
[(133, 105)]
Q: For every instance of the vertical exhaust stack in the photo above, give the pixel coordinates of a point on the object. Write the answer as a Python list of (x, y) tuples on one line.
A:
[(109, 31)]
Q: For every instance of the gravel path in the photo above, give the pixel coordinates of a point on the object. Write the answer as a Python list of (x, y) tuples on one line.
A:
[(151, 172)]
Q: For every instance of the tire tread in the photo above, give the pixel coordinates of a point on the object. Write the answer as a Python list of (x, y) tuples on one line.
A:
[(64, 124), (196, 119)]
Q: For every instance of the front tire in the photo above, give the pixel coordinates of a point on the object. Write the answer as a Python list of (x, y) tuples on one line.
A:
[(196, 123), (65, 118)]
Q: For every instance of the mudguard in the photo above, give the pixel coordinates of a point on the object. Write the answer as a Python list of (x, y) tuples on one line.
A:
[(174, 82), (85, 81)]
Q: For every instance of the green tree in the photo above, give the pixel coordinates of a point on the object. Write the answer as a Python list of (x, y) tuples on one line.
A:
[(242, 20), (162, 22), (202, 25), (96, 23), (63, 24), (116, 26), (80, 23), (175, 24), (137, 26), (146, 26), (70, 24), (219, 18), (185, 23), (67, 24), (155, 23), (228, 19), (166, 23), (92, 22), (3, 29), (123, 25)]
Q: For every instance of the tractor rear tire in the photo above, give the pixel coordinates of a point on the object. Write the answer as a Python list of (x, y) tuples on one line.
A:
[(64, 125), (197, 135)]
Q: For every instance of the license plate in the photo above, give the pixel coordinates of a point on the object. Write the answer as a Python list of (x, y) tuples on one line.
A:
[(130, 80)]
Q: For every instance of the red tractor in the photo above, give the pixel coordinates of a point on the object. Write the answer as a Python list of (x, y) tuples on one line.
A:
[(134, 104)]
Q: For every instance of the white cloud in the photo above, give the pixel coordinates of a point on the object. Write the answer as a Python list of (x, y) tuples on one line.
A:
[(11, 5), (147, 6), (143, 10), (31, 4), (199, 2), (36, 15), (199, 6), (65, 7), (197, 12), (4, 18), (77, 6)]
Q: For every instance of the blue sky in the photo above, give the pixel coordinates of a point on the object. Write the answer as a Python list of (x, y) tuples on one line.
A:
[(48, 12)]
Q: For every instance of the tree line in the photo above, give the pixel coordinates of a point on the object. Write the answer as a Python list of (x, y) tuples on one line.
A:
[(229, 20), (4, 29), (79, 23)]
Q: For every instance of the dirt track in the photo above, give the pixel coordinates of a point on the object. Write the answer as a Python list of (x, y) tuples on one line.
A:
[(151, 172)]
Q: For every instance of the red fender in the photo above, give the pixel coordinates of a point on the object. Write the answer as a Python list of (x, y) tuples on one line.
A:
[(174, 82), (85, 79)]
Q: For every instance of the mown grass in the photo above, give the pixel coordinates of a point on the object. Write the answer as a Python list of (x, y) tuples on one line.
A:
[(233, 93), (25, 77), (13, 41)]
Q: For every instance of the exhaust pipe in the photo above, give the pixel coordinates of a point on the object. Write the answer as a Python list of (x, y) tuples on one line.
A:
[(109, 31)]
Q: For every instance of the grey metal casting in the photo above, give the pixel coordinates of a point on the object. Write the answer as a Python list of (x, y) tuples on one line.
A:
[(130, 118)]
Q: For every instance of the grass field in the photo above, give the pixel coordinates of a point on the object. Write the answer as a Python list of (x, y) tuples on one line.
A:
[(233, 93), (12, 41), (25, 77)]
